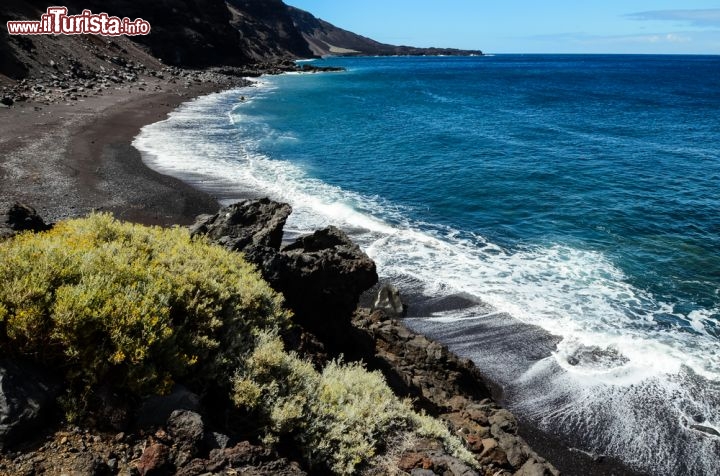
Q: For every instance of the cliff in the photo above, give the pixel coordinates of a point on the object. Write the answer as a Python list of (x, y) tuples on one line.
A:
[(326, 39), (188, 33), (267, 30)]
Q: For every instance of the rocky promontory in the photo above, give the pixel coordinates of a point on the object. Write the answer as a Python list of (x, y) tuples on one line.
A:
[(322, 276)]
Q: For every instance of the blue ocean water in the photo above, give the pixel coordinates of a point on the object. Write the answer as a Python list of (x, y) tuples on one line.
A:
[(578, 194)]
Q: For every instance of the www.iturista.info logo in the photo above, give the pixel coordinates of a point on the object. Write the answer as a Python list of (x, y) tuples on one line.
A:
[(57, 22)]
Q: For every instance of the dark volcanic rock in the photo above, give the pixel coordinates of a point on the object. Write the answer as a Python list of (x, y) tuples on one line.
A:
[(245, 225), (309, 68), (22, 217), (187, 427), (27, 397), (321, 275), (452, 389), (156, 410), (417, 367)]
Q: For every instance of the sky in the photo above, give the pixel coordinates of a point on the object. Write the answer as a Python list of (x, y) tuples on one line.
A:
[(532, 26)]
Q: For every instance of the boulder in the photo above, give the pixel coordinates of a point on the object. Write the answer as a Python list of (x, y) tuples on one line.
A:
[(245, 225), (27, 399), (321, 275), (188, 431), (388, 300), (156, 410), (21, 217), (155, 461)]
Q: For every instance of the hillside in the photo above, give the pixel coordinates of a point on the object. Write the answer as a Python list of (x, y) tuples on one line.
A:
[(326, 39), (187, 33)]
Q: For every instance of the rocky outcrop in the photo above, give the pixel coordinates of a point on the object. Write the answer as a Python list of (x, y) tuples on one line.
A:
[(245, 226), (20, 217), (23, 217), (321, 275), (452, 389)]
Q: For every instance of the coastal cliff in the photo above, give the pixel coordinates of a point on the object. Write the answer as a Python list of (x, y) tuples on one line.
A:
[(188, 33), (120, 425), (325, 39)]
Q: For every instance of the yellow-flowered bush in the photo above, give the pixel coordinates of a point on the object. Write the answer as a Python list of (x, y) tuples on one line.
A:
[(138, 308), (128, 305), (342, 417)]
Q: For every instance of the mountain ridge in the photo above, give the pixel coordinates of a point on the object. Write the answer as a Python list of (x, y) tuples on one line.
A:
[(326, 39), (189, 33)]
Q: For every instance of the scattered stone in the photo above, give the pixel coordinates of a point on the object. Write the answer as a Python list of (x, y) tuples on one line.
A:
[(410, 461), (503, 420), (187, 427), (388, 301), (154, 461)]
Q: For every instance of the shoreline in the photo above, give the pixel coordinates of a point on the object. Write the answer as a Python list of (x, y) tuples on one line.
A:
[(68, 159), (88, 163)]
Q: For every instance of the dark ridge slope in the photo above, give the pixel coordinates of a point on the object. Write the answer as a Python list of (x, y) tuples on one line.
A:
[(326, 39), (188, 33), (266, 30), (193, 33)]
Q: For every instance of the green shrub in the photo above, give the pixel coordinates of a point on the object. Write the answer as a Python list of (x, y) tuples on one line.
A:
[(341, 417), (136, 306), (111, 303)]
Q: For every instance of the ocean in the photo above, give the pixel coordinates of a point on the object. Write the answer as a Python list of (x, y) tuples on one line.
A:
[(569, 203)]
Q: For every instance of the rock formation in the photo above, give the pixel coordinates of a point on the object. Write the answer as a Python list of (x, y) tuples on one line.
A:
[(187, 33), (321, 275)]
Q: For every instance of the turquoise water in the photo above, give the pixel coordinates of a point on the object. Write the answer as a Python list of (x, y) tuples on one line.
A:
[(578, 194)]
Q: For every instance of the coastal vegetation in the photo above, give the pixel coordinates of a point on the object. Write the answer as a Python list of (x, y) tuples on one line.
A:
[(140, 309)]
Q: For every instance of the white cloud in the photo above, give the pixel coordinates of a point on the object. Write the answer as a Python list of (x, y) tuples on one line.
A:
[(699, 18)]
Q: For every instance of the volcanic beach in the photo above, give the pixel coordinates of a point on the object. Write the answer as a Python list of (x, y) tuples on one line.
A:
[(67, 159)]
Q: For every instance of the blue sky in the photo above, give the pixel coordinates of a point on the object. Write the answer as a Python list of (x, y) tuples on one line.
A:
[(525, 26)]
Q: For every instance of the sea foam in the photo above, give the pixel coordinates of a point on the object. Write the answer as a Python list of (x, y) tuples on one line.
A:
[(631, 388)]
